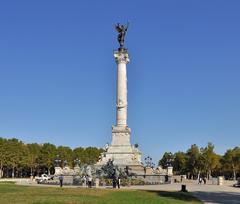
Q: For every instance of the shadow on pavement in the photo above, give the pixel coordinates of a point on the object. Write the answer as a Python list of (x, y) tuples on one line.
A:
[(218, 197), (176, 195)]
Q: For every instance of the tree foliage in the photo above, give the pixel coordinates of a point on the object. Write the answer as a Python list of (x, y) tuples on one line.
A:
[(205, 162), (166, 160), (18, 159)]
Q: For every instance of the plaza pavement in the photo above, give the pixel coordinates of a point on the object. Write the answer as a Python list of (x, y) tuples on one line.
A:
[(208, 193)]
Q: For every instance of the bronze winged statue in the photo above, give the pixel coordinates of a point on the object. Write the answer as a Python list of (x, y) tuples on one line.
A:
[(121, 29)]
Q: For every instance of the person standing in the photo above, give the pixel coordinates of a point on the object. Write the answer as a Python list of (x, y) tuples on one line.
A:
[(61, 180), (118, 182), (89, 182), (84, 181), (204, 180), (114, 180)]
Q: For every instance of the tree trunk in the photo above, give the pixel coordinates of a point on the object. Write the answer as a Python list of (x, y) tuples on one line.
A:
[(7, 172), (234, 172), (1, 169), (208, 174), (38, 171)]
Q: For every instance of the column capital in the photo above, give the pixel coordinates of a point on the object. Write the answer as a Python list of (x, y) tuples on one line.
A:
[(121, 56)]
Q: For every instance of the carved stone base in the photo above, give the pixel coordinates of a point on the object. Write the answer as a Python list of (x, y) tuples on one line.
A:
[(58, 171), (121, 151)]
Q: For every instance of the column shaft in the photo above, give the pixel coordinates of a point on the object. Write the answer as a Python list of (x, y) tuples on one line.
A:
[(121, 95), (121, 59)]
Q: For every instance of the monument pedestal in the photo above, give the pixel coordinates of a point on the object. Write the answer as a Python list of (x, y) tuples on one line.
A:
[(58, 171), (121, 151), (77, 170)]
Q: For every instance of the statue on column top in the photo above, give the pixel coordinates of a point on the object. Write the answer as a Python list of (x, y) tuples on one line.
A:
[(121, 29)]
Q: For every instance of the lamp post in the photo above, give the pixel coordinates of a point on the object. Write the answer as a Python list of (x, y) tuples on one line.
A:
[(57, 161), (148, 162), (65, 163), (77, 162), (169, 160)]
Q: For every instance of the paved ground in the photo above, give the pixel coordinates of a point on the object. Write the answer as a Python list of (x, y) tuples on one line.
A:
[(225, 194), (207, 193)]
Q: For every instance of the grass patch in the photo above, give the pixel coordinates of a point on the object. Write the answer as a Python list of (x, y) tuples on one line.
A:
[(7, 182), (10, 193)]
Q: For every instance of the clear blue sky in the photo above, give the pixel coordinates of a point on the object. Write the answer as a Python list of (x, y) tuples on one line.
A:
[(58, 74)]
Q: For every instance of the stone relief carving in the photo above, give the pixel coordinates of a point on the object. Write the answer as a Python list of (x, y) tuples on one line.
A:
[(121, 57), (121, 134), (134, 157), (121, 104), (106, 147)]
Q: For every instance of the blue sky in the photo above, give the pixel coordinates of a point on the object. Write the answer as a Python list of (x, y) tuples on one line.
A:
[(58, 74)]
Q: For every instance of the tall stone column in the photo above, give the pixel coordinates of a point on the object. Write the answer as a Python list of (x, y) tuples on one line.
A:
[(120, 151), (122, 58)]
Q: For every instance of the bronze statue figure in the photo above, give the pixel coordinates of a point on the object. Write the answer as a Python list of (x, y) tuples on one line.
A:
[(121, 29)]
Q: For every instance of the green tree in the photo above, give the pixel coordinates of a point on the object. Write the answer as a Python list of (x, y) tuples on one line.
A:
[(92, 155), (34, 151), (13, 154), (47, 156), (209, 159), (65, 153), (166, 160), (193, 166), (231, 161), (78, 153), (3, 151), (180, 163), (89, 155), (23, 163)]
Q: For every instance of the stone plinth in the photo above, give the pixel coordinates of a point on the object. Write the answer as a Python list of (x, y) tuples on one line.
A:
[(77, 170), (58, 171), (121, 151), (149, 171), (170, 171)]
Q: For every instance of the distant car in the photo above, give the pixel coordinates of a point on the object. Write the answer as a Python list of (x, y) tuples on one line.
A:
[(43, 178), (238, 183)]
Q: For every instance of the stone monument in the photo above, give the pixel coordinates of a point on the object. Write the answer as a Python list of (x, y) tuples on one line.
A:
[(120, 150)]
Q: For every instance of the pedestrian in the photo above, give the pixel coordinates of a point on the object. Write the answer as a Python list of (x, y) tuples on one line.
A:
[(118, 182), (61, 180), (89, 182), (200, 180), (114, 182), (84, 181), (204, 180)]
